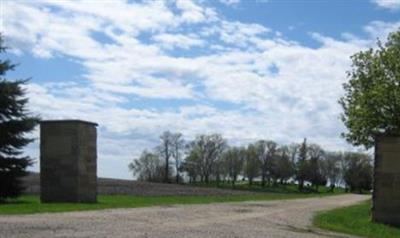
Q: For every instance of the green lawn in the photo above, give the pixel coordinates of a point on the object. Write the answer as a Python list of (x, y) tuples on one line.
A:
[(31, 204), (355, 220), (278, 188)]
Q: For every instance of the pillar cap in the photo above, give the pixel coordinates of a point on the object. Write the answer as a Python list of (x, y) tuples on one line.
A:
[(68, 121)]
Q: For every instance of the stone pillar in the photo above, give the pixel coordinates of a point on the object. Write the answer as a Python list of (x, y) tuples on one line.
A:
[(386, 195), (68, 161)]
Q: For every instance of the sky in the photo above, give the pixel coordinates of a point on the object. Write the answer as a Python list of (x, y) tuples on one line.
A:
[(248, 69)]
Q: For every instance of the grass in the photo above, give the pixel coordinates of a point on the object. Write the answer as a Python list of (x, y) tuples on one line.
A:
[(278, 188), (32, 204), (355, 220)]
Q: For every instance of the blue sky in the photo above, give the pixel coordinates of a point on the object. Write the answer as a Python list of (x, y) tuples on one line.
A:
[(246, 69)]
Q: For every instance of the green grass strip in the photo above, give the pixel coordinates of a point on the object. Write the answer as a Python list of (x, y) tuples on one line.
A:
[(355, 220)]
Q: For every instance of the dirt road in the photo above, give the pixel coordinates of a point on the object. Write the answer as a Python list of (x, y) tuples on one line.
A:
[(283, 218)]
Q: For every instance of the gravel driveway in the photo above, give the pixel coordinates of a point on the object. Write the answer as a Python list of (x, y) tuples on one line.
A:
[(283, 218)]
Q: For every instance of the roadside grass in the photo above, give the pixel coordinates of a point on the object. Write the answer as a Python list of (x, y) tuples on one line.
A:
[(355, 220), (30, 204), (277, 188)]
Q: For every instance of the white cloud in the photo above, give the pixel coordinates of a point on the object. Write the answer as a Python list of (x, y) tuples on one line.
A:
[(388, 4), (230, 2), (194, 13), (379, 29), (170, 41), (239, 33), (153, 88), (242, 80)]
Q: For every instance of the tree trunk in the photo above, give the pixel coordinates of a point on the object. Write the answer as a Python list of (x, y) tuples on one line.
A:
[(275, 182), (332, 188), (301, 184), (166, 170), (166, 167), (263, 180)]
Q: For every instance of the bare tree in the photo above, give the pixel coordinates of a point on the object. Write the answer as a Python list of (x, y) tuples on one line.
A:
[(301, 164), (233, 160), (358, 171), (293, 151), (166, 149), (191, 165), (282, 166), (266, 150), (209, 158), (333, 168), (208, 149), (178, 144), (315, 171), (252, 163)]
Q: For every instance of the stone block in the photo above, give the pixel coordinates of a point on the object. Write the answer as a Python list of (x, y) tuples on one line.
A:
[(386, 194), (68, 161)]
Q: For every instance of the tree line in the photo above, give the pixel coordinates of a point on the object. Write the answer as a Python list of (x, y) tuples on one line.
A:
[(209, 159)]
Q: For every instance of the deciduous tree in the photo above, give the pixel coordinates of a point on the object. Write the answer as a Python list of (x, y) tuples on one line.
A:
[(315, 171), (371, 102), (233, 161), (266, 150), (208, 149), (282, 166), (166, 151), (178, 145), (301, 172), (148, 167), (252, 163), (358, 172), (333, 168)]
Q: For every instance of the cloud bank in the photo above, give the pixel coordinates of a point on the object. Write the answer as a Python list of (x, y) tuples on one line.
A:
[(182, 66)]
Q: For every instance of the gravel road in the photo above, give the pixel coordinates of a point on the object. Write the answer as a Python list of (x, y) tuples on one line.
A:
[(283, 218)]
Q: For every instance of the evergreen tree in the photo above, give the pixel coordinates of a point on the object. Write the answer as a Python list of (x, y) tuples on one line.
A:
[(15, 122)]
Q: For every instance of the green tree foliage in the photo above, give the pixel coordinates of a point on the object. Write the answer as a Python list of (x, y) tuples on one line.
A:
[(233, 160), (208, 149), (371, 102), (149, 167), (266, 151), (315, 166), (191, 165), (208, 158), (358, 172), (252, 163), (15, 123), (282, 167)]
